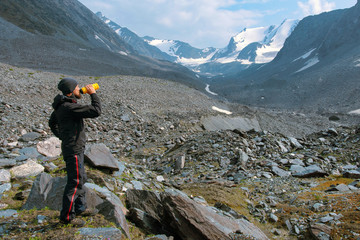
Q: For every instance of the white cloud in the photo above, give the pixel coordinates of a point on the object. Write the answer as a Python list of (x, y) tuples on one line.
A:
[(312, 7)]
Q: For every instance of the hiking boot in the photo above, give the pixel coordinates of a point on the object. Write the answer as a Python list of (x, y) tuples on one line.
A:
[(88, 212)]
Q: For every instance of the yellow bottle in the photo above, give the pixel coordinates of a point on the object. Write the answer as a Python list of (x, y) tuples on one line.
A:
[(83, 90)]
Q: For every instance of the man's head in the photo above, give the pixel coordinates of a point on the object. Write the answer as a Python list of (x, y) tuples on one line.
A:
[(69, 86)]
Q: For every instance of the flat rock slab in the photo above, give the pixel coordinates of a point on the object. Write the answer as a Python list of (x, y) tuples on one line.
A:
[(311, 171), (4, 163), (30, 137), (352, 174), (216, 123), (29, 152), (4, 175), (100, 233), (50, 147), (8, 213), (99, 156), (280, 172), (158, 237), (29, 168), (295, 143), (339, 188), (5, 187)]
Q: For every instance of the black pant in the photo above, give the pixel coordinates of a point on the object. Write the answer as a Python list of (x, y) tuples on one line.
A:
[(74, 201)]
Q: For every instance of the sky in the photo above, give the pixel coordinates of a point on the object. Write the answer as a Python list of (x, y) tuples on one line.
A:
[(206, 23)]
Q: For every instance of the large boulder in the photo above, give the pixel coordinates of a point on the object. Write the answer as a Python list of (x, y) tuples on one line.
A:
[(111, 207), (98, 155), (172, 212), (28, 169), (191, 220), (50, 147), (145, 209), (48, 192)]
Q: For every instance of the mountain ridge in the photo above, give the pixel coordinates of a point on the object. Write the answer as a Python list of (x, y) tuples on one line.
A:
[(65, 36), (252, 45)]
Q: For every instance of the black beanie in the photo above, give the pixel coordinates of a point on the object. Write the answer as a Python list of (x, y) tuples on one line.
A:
[(67, 85)]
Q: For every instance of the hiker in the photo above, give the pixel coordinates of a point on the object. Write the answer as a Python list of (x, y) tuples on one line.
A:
[(66, 122)]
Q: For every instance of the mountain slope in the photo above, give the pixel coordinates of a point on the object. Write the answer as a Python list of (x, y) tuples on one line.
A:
[(138, 43), (317, 68), (65, 36)]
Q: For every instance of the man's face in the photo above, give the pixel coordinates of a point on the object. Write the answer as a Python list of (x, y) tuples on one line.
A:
[(77, 93)]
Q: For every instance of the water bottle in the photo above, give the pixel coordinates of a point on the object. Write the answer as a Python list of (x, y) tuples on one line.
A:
[(84, 91)]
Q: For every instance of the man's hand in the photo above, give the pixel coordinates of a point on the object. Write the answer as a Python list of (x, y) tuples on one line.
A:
[(90, 89)]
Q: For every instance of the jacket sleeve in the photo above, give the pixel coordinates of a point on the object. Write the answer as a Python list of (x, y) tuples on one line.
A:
[(87, 111), (53, 124)]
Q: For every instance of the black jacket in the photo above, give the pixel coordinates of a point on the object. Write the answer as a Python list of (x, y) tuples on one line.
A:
[(66, 121)]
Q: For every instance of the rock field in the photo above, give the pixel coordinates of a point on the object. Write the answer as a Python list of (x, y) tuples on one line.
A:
[(162, 164)]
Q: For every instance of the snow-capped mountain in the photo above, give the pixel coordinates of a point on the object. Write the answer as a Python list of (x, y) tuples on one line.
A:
[(252, 45), (317, 67), (184, 53), (256, 45)]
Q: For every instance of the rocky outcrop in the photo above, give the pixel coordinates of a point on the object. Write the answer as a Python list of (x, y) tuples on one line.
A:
[(48, 192), (172, 211)]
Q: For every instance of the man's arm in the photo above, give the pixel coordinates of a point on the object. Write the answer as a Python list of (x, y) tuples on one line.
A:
[(53, 124), (87, 111)]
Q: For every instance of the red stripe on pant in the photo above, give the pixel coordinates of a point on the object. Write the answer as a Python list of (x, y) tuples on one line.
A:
[(77, 184)]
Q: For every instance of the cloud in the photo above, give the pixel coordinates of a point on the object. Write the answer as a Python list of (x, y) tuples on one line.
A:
[(313, 7)]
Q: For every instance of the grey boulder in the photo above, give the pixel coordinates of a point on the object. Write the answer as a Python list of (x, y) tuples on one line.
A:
[(311, 171), (98, 155), (48, 192), (30, 137), (173, 212), (29, 168), (50, 147)]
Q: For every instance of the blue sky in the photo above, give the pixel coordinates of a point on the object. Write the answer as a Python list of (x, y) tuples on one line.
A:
[(206, 23)]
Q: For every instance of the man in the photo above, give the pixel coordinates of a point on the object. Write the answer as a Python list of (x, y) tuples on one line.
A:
[(66, 122)]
